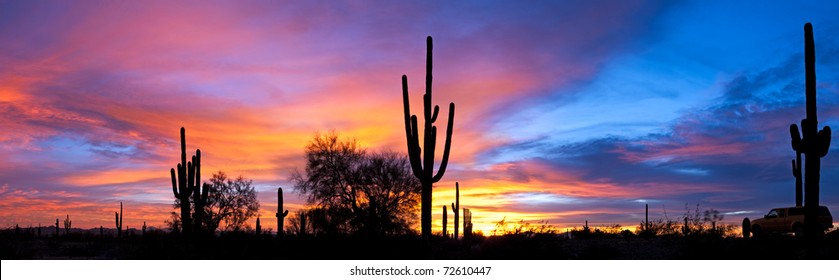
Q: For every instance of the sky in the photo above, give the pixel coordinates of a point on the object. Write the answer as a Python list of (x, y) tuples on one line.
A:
[(566, 111)]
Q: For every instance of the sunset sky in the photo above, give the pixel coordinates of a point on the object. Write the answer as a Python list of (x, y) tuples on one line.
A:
[(566, 110)]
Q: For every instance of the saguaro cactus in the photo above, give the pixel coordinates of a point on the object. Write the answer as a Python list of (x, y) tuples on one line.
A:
[(423, 165), (56, 227), (67, 224), (118, 220), (467, 224), (796, 172), (456, 207), (646, 217), (186, 182), (815, 144), (280, 213), (747, 228), (302, 228), (445, 222), (144, 228), (258, 227)]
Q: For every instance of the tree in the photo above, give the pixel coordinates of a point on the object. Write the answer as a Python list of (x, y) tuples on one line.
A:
[(356, 191), (230, 203)]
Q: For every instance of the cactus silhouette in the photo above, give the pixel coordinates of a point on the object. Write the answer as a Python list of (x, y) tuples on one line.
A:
[(56, 227), (445, 222), (815, 144), (456, 207), (423, 164), (258, 227), (747, 228), (67, 224), (144, 228), (280, 213), (796, 172), (118, 220), (467, 224), (302, 229), (185, 182)]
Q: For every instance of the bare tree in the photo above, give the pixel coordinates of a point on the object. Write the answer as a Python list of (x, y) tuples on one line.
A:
[(355, 191)]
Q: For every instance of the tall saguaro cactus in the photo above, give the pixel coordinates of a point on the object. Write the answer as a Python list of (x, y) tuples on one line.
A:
[(815, 144), (423, 164), (280, 213), (118, 220), (56, 227), (456, 207), (186, 182)]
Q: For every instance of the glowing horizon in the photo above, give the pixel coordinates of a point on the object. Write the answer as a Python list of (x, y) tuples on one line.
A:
[(566, 111)]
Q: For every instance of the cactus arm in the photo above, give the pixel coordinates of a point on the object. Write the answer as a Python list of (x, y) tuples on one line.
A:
[(446, 150), (197, 165), (411, 131), (205, 194), (190, 177), (414, 150), (434, 115), (183, 147), (796, 137), (174, 182), (823, 145)]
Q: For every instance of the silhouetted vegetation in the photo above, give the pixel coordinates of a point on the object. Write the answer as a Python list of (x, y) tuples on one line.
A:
[(230, 203), (796, 172), (456, 207), (746, 228), (423, 165), (467, 224), (67, 225), (185, 182), (118, 220), (503, 227), (280, 214), (354, 191), (815, 144), (446, 222)]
